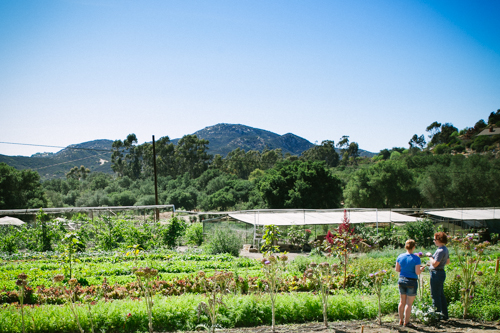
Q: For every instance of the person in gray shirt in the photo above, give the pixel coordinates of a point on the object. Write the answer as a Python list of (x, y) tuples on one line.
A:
[(437, 261)]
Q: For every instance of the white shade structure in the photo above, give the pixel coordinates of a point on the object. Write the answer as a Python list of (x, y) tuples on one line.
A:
[(303, 217), (467, 214), (7, 220)]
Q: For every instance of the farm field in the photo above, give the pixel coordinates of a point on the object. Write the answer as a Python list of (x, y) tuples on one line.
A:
[(126, 288), (117, 303)]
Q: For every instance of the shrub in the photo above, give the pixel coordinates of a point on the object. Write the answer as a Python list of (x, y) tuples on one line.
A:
[(224, 240), (174, 231), (194, 234), (421, 231), (9, 239)]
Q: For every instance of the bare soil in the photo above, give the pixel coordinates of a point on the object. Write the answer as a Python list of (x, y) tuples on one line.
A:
[(371, 326)]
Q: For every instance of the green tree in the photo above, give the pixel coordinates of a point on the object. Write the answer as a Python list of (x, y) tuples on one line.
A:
[(175, 229), (184, 198), (20, 189), (433, 130), (78, 172), (421, 231), (386, 184), (269, 158), (165, 158), (241, 164), (300, 184), (45, 240), (417, 142), (465, 182), (494, 118), (343, 144), (191, 155), (126, 157), (325, 152), (440, 133), (353, 150)]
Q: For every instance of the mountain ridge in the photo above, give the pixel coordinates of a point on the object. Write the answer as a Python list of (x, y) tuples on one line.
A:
[(96, 155), (248, 138)]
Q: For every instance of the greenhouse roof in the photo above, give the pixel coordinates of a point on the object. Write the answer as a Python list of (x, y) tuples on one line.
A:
[(467, 214), (305, 217)]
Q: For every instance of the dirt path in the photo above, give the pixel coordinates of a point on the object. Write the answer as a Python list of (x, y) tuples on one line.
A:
[(367, 326), (258, 256)]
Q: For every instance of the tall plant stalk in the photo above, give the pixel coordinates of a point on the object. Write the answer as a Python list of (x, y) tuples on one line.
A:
[(322, 275), (342, 242), (215, 287), (71, 295), (273, 268), (377, 281), (469, 253), (21, 283), (145, 276)]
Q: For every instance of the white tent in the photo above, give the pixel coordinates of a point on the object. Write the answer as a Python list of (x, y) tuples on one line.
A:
[(7, 220), (306, 217), (465, 214)]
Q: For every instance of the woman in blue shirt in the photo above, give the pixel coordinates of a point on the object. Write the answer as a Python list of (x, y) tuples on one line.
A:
[(408, 266)]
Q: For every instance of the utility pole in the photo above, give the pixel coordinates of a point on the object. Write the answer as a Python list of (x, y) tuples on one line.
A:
[(156, 181)]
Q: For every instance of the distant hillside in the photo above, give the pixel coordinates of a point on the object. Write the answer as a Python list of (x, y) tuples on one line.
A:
[(225, 138), (57, 165), (96, 155)]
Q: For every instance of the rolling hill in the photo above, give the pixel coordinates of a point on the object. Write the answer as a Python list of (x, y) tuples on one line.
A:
[(225, 138), (96, 155)]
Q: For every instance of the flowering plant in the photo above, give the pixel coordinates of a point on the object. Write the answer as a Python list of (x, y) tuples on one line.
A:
[(322, 275), (426, 313), (71, 295), (298, 236), (273, 268), (468, 260), (21, 283), (377, 279), (145, 276), (215, 288), (343, 241)]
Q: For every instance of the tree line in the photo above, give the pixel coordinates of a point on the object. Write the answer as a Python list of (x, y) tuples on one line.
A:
[(454, 169)]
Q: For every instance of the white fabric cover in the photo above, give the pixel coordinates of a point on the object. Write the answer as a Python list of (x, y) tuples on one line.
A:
[(319, 217), (467, 214)]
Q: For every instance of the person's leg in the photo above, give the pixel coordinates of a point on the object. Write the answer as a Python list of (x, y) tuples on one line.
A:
[(436, 289), (409, 303), (444, 304), (401, 308)]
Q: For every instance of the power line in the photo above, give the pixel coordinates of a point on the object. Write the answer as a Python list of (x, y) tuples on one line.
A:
[(48, 166), (31, 144)]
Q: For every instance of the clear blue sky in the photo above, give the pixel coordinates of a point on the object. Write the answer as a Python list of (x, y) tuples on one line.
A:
[(377, 70)]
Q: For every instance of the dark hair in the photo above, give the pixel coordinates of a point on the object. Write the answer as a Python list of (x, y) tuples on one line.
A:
[(410, 244), (441, 236)]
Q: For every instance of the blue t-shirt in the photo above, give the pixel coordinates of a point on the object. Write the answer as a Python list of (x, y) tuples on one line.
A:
[(408, 263)]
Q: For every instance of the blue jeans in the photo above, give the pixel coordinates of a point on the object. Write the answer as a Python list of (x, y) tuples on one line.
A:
[(437, 292)]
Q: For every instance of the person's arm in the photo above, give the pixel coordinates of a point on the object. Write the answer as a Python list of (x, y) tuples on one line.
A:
[(436, 259), (398, 267), (417, 269), (448, 261), (433, 262)]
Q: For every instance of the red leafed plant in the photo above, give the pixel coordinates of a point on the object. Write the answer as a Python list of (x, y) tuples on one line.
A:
[(342, 242)]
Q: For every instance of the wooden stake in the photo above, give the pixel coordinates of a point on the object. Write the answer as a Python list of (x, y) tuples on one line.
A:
[(496, 266), (362, 328)]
